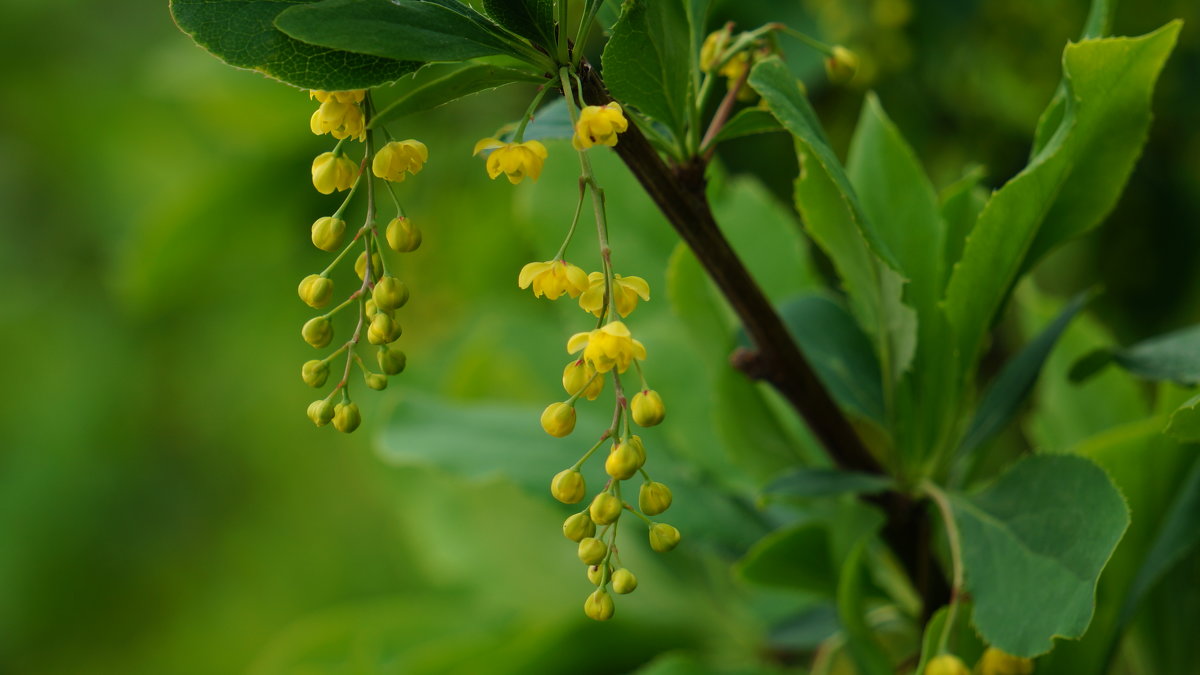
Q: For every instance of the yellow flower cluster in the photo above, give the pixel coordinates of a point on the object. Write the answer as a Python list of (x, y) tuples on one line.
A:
[(599, 125), (514, 160), (552, 278), (397, 158), (992, 662), (339, 115), (610, 346)]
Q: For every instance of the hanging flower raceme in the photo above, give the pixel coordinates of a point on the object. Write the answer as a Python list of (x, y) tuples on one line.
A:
[(599, 125), (626, 291), (553, 278), (398, 158), (610, 346), (515, 160)]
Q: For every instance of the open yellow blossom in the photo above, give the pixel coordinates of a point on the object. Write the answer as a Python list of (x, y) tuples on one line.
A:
[(610, 346), (515, 160), (553, 278), (350, 96), (626, 291), (398, 157), (341, 120), (333, 172), (599, 126)]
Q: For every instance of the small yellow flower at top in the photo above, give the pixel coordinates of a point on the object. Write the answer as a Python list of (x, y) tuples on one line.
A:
[(946, 664), (841, 65), (998, 662), (341, 120), (608, 347), (553, 278), (333, 172), (398, 157), (626, 291), (599, 126), (350, 96), (515, 160)]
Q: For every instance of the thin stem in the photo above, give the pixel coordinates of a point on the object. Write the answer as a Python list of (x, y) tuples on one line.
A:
[(574, 220), (581, 33), (353, 188), (587, 455), (392, 191), (519, 134), (952, 539), (722, 114), (825, 49), (563, 7)]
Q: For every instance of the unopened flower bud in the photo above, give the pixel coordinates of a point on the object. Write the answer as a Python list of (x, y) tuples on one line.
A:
[(360, 266), (391, 360), (403, 236), (595, 574), (647, 408), (714, 45), (578, 375), (654, 498), (316, 291), (623, 581), (997, 662), (317, 331), (314, 373), (346, 417), (568, 486), (333, 172), (599, 605), (558, 419), (370, 308), (376, 381), (841, 65), (320, 412), (946, 664), (390, 293), (327, 233), (578, 527), (623, 461), (592, 551), (384, 329), (663, 537), (605, 508)]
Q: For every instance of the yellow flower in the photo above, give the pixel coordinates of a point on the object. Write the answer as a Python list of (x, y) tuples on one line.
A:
[(553, 278), (607, 347), (599, 126), (946, 664), (397, 157), (516, 160), (711, 50), (581, 375), (351, 96), (333, 172), (342, 120), (997, 662), (626, 289)]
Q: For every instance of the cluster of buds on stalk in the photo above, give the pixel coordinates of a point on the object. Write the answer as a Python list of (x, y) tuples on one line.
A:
[(346, 116)]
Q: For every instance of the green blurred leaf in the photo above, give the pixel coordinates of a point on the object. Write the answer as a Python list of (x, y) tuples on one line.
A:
[(748, 122), (445, 30), (1174, 357), (551, 121), (648, 62), (242, 33), (867, 653), (961, 203), (1034, 544), (1005, 395), (817, 482), (1111, 81), (471, 79), (1185, 421), (798, 557), (962, 641), (533, 19)]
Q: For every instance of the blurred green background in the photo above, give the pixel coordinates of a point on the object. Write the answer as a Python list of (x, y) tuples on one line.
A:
[(166, 506)]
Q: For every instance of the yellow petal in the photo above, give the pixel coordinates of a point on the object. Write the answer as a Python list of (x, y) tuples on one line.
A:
[(493, 166), (639, 351), (421, 150), (536, 148), (637, 285), (531, 270), (578, 341), (487, 144)]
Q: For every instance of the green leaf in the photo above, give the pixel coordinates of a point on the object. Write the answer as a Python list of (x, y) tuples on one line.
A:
[(748, 122), (471, 79), (961, 203), (797, 557), (648, 63), (1185, 421), (551, 121), (868, 655), (1033, 544), (1174, 357), (816, 482), (404, 29), (242, 33), (1005, 395), (533, 19), (1110, 82)]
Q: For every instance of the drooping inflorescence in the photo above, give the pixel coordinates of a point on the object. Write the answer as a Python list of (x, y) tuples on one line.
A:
[(345, 115)]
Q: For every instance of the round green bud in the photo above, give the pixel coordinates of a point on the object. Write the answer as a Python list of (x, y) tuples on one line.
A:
[(599, 605), (390, 293), (327, 233), (654, 498), (998, 662), (558, 419), (623, 581), (623, 461), (384, 329), (391, 360), (316, 291), (647, 408), (841, 65), (314, 373), (403, 236), (663, 537), (371, 309), (946, 664), (376, 381), (595, 574), (346, 417), (578, 527), (317, 331), (568, 486), (605, 509), (360, 266), (592, 551), (320, 412)]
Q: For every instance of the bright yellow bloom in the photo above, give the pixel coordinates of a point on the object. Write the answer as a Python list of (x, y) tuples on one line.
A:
[(333, 172), (516, 160), (599, 126), (553, 278), (398, 157), (997, 662), (341, 120), (351, 96), (625, 289), (608, 347)]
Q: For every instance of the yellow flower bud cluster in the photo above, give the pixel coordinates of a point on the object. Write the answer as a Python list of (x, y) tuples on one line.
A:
[(378, 296), (992, 662)]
